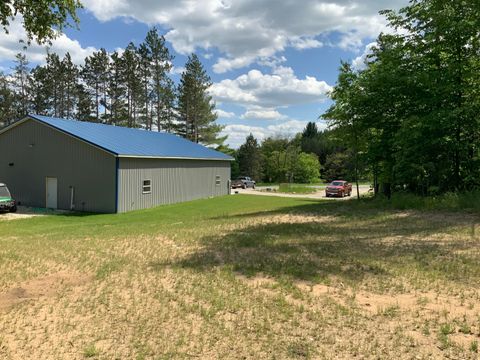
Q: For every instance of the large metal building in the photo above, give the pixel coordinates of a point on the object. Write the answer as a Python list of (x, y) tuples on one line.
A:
[(66, 164)]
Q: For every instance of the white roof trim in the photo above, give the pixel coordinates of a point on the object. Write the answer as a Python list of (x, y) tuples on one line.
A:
[(171, 157)]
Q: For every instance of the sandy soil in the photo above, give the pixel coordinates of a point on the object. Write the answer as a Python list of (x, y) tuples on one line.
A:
[(25, 212), (47, 286)]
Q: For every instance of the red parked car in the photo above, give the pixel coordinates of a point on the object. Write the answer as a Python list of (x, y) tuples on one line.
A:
[(338, 188)]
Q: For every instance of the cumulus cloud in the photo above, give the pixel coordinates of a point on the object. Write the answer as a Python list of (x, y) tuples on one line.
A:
[(305, 43), (224, 114), (247, 30), (263, 114), (238, 132), (10, 45), (359, 63), (282, 88)]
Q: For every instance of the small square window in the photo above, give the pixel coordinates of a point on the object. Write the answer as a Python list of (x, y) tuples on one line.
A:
[(147, 186), (218, 180)]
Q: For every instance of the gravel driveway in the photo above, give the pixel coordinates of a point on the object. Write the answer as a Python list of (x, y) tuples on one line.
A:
[(320, 194)]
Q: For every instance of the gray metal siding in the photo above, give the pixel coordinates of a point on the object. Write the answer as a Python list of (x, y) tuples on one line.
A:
[(38, 151), (172, 181)]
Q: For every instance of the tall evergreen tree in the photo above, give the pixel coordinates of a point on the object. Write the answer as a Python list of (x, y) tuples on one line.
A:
[(38, 83), (132, 83), (116, 89), (166, 116), (250, 158), (196, 110), (163, 93), (53, 83), (70, 80), (7, 99), (95, 75), (21, 76), (144, 91)]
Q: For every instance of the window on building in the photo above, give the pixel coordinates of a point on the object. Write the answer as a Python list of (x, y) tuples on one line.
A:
[(218, 180), (147, 186)]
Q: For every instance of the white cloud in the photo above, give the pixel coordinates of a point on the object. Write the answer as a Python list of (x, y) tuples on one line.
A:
[(359, 62), (224, 114), (263, 114), (305, 43), (10, 45), (280, 89), (247, 30), (177, 70), (237, 132)]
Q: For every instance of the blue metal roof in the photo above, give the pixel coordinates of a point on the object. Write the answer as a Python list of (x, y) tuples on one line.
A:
[(122, 141)]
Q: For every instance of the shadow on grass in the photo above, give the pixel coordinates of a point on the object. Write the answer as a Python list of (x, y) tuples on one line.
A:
[(352, 248), (368, 206)]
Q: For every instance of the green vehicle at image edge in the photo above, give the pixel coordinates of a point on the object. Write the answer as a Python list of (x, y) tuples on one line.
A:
[(7, 203)]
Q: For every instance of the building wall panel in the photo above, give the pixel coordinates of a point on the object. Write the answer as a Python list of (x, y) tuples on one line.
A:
[(32, 151), (172, 181)]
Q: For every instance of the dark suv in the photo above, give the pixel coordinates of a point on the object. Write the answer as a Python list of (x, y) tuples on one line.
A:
[(7, 203)]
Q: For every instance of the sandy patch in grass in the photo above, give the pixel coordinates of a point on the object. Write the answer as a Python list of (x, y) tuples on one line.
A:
[(42, 287), (16, 216)]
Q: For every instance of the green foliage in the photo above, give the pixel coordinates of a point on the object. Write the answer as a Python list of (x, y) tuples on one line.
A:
[(318, 142), (249, 158), (234, 167), (278, 160), (474, 346), (159, 64), (196, 110), (295, 189), (306, 168), (7, 109), (90, 351), (411, 115), (41, 18), (95, 74), (338, 166)]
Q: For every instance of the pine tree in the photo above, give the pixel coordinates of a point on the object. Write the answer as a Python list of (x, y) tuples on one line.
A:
[(21, 76), (69, 85), (95, 76), (116, 89), (196, 110), (143, 96), (7, 98), (84, 103), (167, 110), (40, 96), (132, 83), (163, 93), (249, 158), (53, 84)]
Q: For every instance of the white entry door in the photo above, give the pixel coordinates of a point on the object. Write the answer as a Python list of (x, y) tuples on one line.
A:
[(51, 193)]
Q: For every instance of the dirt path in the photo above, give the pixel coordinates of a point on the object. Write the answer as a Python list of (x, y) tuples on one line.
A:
[(25, 212), (320, 194)]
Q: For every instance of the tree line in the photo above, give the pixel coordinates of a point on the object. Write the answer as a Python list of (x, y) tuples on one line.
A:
[(131, 88), (308, 157), (410, 118)]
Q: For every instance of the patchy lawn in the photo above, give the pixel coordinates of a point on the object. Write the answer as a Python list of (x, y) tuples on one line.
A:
[(242, 277)]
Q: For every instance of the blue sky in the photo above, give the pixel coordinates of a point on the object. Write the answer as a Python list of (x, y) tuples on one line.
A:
[(272, 62)]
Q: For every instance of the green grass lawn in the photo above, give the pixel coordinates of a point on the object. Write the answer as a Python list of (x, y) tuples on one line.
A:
[(245, 277)]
